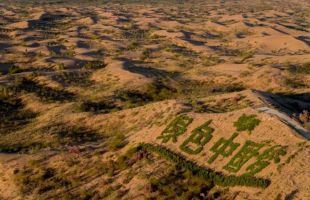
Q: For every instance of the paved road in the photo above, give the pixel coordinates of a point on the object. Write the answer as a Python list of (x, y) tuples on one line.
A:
[(289, 121)]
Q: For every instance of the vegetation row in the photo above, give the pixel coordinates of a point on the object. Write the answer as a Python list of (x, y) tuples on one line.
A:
[(208, 174)]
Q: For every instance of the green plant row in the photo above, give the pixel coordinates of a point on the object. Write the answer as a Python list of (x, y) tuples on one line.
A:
[(206, 173)]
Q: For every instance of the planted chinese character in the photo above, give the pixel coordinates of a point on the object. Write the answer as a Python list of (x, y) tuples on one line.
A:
[(264, 159), (246, 123), (176, 128), (223, 147), (199, 137), (249, 150)]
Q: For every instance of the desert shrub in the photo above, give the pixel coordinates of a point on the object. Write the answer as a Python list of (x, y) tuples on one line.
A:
[(37, 181), (116, 141), (45, 93), (159, 90), (12, 112), (66, 134), (211, 60), (179, 183), (132, 98), (15, 69), (245, 55), (294, 83), (220, 106), (235, 87), (156, 91), (22, 147), (103, 106), (181, 50), (246, 123), (146, 54), (206, 173), (300, 69), (98, 64), (73, 78)]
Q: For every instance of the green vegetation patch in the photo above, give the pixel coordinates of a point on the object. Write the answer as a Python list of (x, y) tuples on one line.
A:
[(97, 64), (74, 79), (200, 136), (246, 123), (206, 173), (176, 128), (248, 151)]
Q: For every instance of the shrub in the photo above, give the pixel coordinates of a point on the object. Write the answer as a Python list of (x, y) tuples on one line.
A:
[(294, 83), (180, 184), (116, 142), (15, 69), (95, 65), (12, 112), (98, 107), (39, 180), (300, 69), (66, 134), (70, 78), (45, 93), (211, 60)]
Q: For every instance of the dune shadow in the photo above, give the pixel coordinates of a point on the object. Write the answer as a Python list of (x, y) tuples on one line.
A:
[(148, 72), (304, 39), (46, 21), (188, 38)]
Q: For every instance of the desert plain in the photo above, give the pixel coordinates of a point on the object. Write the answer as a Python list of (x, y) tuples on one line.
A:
[(155, 99)]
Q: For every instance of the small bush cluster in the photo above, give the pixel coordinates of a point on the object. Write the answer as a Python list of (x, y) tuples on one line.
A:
[(71, 135), (219, 106), (45, 93), (179, 183), (39, 181), (211, 60), (294, 83), (206, 173), (181, 50), (235, 87), (103, 106), (300, 69), (98, 64), (22, 148), (12, 112), (73, 78)]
